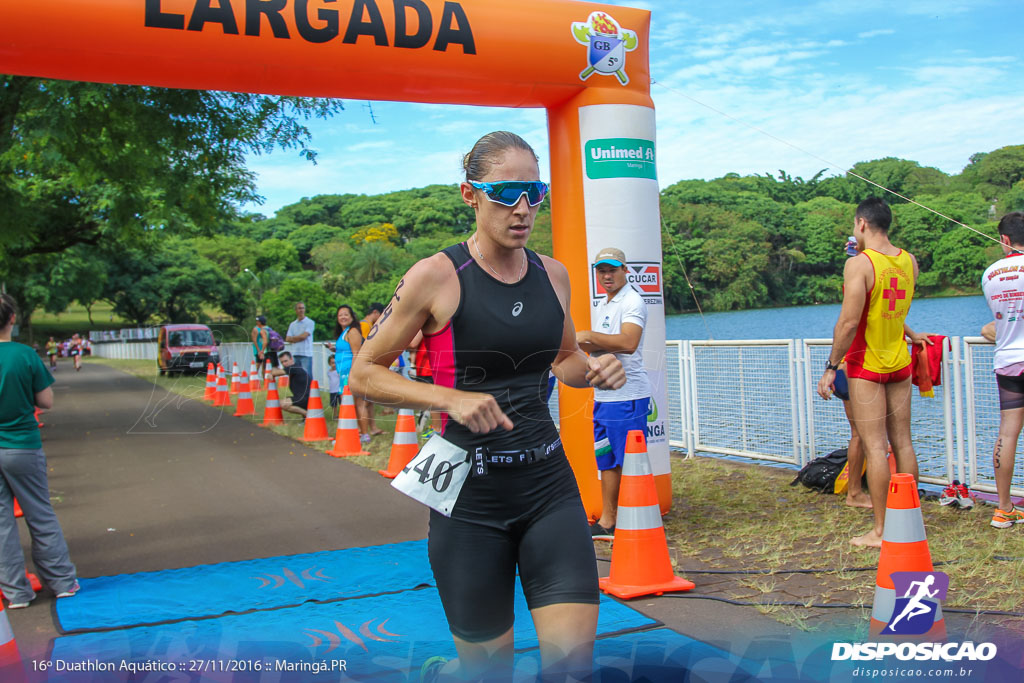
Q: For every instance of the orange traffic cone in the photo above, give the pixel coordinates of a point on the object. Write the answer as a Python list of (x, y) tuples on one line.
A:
[(235, 378), (315, 428), (346, 439), (404, 446), (640, 561), (10, 659), (272, 414), (245, 407), (282, 382), (904, 549), (36, 584), (211, 383), (39, 423), (254, 377), (221, 398), (17, 509)]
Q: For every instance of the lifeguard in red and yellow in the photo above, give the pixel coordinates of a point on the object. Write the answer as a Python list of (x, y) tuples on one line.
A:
[(878, 287)]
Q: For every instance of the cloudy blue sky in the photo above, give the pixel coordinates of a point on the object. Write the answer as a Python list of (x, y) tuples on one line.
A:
[(828, 83)]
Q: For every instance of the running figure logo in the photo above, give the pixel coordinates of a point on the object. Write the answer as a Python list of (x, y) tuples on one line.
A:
[(915, 612), (607, 43)]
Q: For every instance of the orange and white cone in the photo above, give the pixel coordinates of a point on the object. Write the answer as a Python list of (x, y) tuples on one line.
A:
[(640, 561), (315, 428), (272, 414), (18, 512), (244, 407), (235, 378), (10, 659), (210, 392), (254, 377), (346, 439), (904, 549), (221, 398), (405, 445)]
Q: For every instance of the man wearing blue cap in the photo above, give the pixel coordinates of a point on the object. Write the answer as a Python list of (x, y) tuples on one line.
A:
[(621, 318)]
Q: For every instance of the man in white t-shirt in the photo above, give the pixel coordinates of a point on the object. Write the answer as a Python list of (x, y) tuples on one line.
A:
[(1003, 285), (620, 319), (300, 334)]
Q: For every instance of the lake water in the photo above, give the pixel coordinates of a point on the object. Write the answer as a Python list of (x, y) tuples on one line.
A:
[(960, 316)]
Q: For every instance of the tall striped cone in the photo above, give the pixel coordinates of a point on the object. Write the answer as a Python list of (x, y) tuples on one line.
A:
[(404, 446), (17, 508), (254, 377), (315, 428), (272, 414), (221, 398), (904, 549), (346, 440), (244, 407), (640, 561), (10, 659), (235, 378), (282, 382), (211, 383)]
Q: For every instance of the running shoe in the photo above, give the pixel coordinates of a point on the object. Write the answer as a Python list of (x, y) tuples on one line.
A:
[(599, 533), (364, 438), (71, 591), (428, 432), (949, 494), (964, 497), (1004, 520), (431, 669), (23, 605)]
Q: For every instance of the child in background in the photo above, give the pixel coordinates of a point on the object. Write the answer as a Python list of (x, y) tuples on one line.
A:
[(334, 384)]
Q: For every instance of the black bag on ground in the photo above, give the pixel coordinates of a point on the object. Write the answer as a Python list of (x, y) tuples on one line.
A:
[(820, 474)]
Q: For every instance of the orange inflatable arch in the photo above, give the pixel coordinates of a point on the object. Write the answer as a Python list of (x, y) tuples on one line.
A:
[(585, 63)]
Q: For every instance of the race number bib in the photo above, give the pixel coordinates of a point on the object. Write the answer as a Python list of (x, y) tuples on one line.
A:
[(435, 476)]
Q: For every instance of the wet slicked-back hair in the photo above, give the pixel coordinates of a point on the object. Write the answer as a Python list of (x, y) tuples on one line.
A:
[(876, 212), (1012, 225), (8, 307), (478, 161)]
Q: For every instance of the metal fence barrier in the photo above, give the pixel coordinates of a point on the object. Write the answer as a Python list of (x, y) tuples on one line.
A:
[(757, 399)]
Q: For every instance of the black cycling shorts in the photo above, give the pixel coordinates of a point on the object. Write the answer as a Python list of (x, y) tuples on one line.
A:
[(530, 517), (1011, 391)]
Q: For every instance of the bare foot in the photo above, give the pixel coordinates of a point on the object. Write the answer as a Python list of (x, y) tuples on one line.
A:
[(860, 500), (868, 540)]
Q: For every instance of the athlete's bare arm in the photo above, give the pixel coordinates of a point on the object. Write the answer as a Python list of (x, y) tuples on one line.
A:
[(572, 366), (425, 299), (857, 275)]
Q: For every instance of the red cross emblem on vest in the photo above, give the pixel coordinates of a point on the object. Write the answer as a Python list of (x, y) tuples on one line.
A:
[(894, 293)]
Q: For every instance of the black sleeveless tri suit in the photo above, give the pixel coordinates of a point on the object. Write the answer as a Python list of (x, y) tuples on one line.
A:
[(502, 340)]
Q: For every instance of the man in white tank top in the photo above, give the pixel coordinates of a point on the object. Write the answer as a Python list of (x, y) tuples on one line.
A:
[(1003, 285)]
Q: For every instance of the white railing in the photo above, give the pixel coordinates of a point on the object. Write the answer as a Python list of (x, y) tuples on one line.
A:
[(757, 399)]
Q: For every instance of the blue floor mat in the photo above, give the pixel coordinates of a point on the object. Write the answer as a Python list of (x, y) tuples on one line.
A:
[(209, 590), (380, 638)]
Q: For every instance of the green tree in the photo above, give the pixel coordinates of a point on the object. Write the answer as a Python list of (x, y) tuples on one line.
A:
[(86, 163), (279, 306)]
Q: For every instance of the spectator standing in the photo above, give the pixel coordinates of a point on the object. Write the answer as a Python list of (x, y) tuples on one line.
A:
[(260, 343), (333, 384), (24, 386), (348, 341), (622, 317), (1004, 288), (300, 333)]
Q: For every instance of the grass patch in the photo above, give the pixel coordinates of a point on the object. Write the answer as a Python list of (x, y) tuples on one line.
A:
[(756, 521), (735, 516)]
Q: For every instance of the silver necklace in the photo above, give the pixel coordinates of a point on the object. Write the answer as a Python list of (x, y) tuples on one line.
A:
[(481, 255)]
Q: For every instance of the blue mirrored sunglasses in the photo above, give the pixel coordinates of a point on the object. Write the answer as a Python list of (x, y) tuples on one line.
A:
[(508, 192)]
